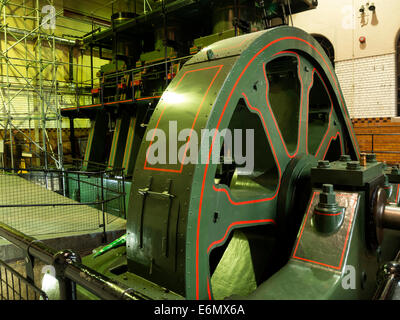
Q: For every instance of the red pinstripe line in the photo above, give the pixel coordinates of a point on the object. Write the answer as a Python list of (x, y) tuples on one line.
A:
[(193, 124), (208, 289), (330, 141), (301, 104), (220, 119), (344, 247), (308, 107), (327, 214), (337, 88), (317, 262), (276, 161), (238, 223), (302, 229), (330, 114), (109, 103)]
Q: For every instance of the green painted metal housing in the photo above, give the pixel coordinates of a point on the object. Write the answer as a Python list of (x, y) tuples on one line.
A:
[(186, 221)]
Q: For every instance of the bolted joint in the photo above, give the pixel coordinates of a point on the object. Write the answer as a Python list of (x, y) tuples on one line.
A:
[(395, 170), (327, 198), (344, 158), (391, 268), (371, 158), (62, 259), (328, 216), (323, 164), (353, 165)]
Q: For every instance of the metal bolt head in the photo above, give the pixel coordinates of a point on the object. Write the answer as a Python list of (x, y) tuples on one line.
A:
[(323, 164), (371, 158), (363, 159), (344, 158), (353, 165), (327, 216), (395, 170), (210, 54), (327, 196), (327, 188)]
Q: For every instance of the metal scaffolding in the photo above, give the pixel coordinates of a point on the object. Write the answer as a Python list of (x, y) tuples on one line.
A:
[(28, 99), (30, 91)]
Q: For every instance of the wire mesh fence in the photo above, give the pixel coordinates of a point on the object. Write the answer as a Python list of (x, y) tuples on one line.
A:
[(39, 202), (14, 286)]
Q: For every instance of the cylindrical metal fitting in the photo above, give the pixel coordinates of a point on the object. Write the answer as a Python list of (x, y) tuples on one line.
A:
[(391, 217), (371, 157), (327, 188), (388, 280), (363, 159), (353, 165), (395, 170), (344, 158), (323, 164)]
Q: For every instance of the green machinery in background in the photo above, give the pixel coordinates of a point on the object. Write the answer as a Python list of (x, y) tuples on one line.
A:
[(312, 218), (145, 52)]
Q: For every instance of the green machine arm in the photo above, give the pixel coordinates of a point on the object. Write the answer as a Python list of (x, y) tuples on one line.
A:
[(112, 245)]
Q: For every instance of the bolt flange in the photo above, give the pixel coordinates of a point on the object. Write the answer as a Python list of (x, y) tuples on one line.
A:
[(344, 158), (328, 216), (353, 165), (323, 164)]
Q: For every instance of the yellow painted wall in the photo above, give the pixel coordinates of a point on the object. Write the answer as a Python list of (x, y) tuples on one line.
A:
[(20, 58)]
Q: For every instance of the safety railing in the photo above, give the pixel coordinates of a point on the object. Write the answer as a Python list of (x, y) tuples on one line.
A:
[(14, 286), (55, 201), (69, 272), (388, 280)]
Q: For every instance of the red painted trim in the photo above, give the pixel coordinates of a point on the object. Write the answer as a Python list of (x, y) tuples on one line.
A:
[(302, 229), (330, 141), (220, 119), (109, 103), (344, 247), (350, 127), (301, 103), (317, 262), (145, 167), (236, 223), (208, 289), (236, 203), (330, 113), (308, 106), (148, 98), (327, 214), (276, 161)]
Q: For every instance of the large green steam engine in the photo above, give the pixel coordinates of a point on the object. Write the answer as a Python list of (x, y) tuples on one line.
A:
[(313, 219)]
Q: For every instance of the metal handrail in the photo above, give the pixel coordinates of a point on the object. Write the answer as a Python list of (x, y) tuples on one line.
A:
[(69, 270), (106, 197), (21, 278), (389, 280)]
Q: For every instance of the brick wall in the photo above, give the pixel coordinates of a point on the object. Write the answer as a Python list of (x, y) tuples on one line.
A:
[(369, 85), (382, 135)]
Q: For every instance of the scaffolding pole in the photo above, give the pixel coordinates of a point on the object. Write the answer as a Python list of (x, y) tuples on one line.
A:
[(30, 94)]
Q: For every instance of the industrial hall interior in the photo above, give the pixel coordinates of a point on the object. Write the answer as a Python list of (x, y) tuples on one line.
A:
[(199, 150)]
